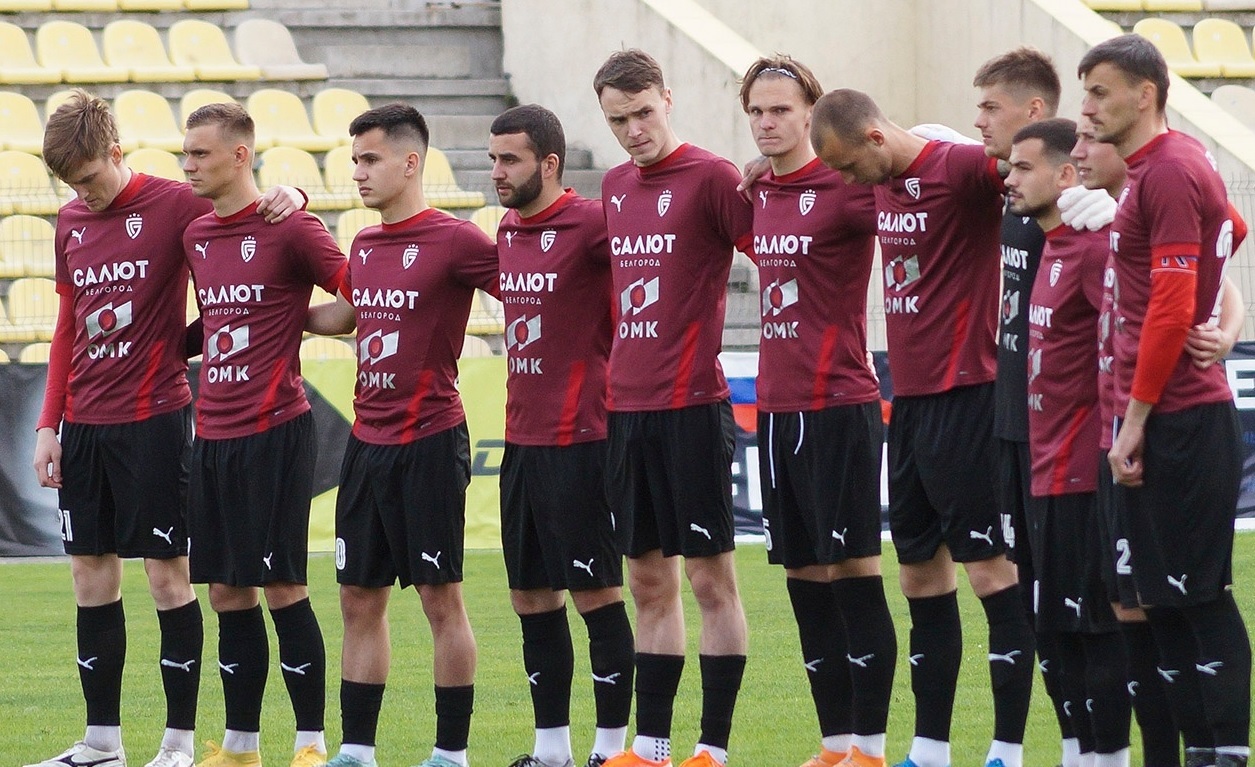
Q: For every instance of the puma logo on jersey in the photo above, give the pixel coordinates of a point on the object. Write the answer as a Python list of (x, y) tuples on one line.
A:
[(1169, 674), (228, 667), (841, 535), (186, 666), (362, 253), (509, 238), (1007, 657), (295, 669), (585, 566), (202, 249), (608, 679), (861, 661), (618, 202), (1210, 669), (1074, 604), (763, 197), (166, 536), (77, 234), (694, 527), (813, 665), (435, 560), (87, 664), (987, 536), (1178, 583)]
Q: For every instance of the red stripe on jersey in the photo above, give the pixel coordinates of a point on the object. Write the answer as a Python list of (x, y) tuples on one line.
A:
[(827, 349), (144, 395), (335, 283), (962, 316), (416, 404), (571, 403), (1063, 458), (684, 372), (277, 375)]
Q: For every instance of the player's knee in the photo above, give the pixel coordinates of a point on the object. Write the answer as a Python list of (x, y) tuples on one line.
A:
[(363, 606), (714, 583), (989, 576), (97, 580), (535, 601), (168, 582), (595, 599), (655, 589), (442, 604)]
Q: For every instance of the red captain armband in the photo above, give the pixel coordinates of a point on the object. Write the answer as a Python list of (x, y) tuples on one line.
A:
[(1173, 279)]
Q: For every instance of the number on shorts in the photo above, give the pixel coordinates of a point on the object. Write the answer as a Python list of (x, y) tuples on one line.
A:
[(1008, 530), (67, 530), (1122, 562)]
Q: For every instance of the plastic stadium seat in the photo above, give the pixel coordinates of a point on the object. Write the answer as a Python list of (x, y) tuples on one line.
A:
[(4, 357), (18, 6), (136, 47), (334, 109), (144, 118), (296, 167), (17, 61), (156, 162), (487, 316), (35, 354), (25, 186), (70, 48), (55, 100), (150, 5), (26, 241), (322, 348), (1221, 42), (488, 218), (216, 5), (1170, 40), (351, 222), (20, 128), (440, 187), (338, 173), (33, 304), (281, 121), (269, 45), (202, 45), (1229, 5), (199, 97), (104, 6), (1162, 6), (474, 346), (1237, 100), (1115, 5)]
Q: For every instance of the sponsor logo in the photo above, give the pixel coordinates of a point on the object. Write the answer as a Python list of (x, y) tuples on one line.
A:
[(378, 346), (779, 296), (119, 272), (362, 253), (638, 296), (762, 196), (522, 332), (77, 234), (108, 320), (901, 272), (227, 342), (1034, 365), (617, 200)]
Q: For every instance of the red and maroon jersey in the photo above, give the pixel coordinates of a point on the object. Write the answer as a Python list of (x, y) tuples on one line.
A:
[(125, 272), (1106, 381), (1063, 415), (672, 228), (939, 225), (253, 283), (1173, 208), (814, 240), (556, 289), (411, 285)]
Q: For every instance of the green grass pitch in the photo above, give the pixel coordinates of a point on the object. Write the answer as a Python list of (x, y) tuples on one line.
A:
[(41, 709)]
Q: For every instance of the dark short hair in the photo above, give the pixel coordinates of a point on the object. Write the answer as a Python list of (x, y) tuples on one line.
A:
[(80, 131), (630, 71), (781, 66), (845, 113), (397, 121), (1026, 70), (1057, 135), (233, 119), (542, 128), (1136, 57)]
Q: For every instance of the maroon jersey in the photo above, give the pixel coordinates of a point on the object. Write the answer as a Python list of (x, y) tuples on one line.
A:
[(939, 228), (411, 286), (672, 228), (1174, 206), (253, 283), (555, 287), (1063, 415), (1106, 381), (125, 271), (814, 240)]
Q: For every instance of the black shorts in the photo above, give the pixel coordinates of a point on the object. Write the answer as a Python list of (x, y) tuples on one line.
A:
[(1015, 482), (401, 511), (1117, 567), (557, 531), (821, 484), (124, 487), (248, 506), (1068, 592), (942, 467), (669, 479), (1180, 521)]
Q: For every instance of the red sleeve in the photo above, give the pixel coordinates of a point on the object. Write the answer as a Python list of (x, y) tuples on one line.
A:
[(58, 366), (477, 264), (346, 284), (1240, 229), (733, 214), (1173, 279)]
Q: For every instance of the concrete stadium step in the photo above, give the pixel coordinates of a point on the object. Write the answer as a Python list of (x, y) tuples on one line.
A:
[(585, 181)]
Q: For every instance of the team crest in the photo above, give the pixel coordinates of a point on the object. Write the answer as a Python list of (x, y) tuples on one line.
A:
[(547, 238), (409, 256), (806, 202), (1056, 269), (664, 203), (248, 247), (912, 187), (134, 224)]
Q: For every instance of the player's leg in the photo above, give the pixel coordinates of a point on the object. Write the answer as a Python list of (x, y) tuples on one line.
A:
[(611, 651), (243, 665), (182, 644), (454, 670)]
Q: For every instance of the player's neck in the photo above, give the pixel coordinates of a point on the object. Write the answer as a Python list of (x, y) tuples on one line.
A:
[(1140, 134), (1116, 188), (793, 160), (549, 194), (237, 198), (1049, 219), (904, 147), (404, 207), (669, 146)]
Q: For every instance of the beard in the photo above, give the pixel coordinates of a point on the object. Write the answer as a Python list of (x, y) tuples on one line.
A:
[(523, 194)]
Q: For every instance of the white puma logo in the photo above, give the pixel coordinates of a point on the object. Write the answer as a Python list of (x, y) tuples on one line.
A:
[(699, 529), (763, 196), (987, 536), (1169, 674), (435, 560), (1210, 669), (1132, 688), (1089, 705), (295, 669), (1178, 583), (362, 253), (813, 665), (77, 234), (915, 659), (202, 249), (166, 535), (1074, 604), (1008, 657), (228, 667), (87, 664), (534, 678), (585, 566), (267, 558), (509, 238), (608, 679), (841, 535), (861, 661), (618, 202), (175, 664)]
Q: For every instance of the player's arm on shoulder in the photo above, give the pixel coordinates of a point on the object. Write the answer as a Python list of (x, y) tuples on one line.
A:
[(751, 172), (939, 132), (332, 319), (280, 202), (1083, 208)]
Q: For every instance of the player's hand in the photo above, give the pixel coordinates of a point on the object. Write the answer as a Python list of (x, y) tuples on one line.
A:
[(1207, 344), (47, 458), (280, 202), (939, 132), (1083, 208), (753, 170), (1125, 456)]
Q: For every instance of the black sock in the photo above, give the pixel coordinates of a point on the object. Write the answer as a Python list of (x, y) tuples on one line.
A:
[(453, 716), (872, 649), (182, 645), (1161, 741), (822, 633), (936, 651), (1051, 673), (101, 656), (303, 660), (611, 654), (243, 662), (1178, 652), (359, 711), (549, 662), (1110, 709), (1072, 680), (1011, 650), (1224, 668), (657, 679), (721, 681)]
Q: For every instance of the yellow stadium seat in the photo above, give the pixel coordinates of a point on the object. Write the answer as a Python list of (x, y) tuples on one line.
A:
[(137, 48), (26, 242), (440, 187), (4, 357), (269, 45), (334, 109), (101, 6), (281, 121), (323, 348), (144, 118), (1229, 5), (35, 354), (353, 221), (1223, 43), (1115, 5), (488, 218), (199, 97), (70, 48), (201, 45), (19, 6), (338, 173), (216, 5), (296, 167), (33, 304), (1170, 40), (150, 5), (156, 162), (20, 128), (25, 186), (17, 61), (474, 346), (55, 100), (1168, 6)]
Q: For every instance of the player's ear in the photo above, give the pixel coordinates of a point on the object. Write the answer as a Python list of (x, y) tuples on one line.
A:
[(549, 165), (413, 164), (1036, 108)]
